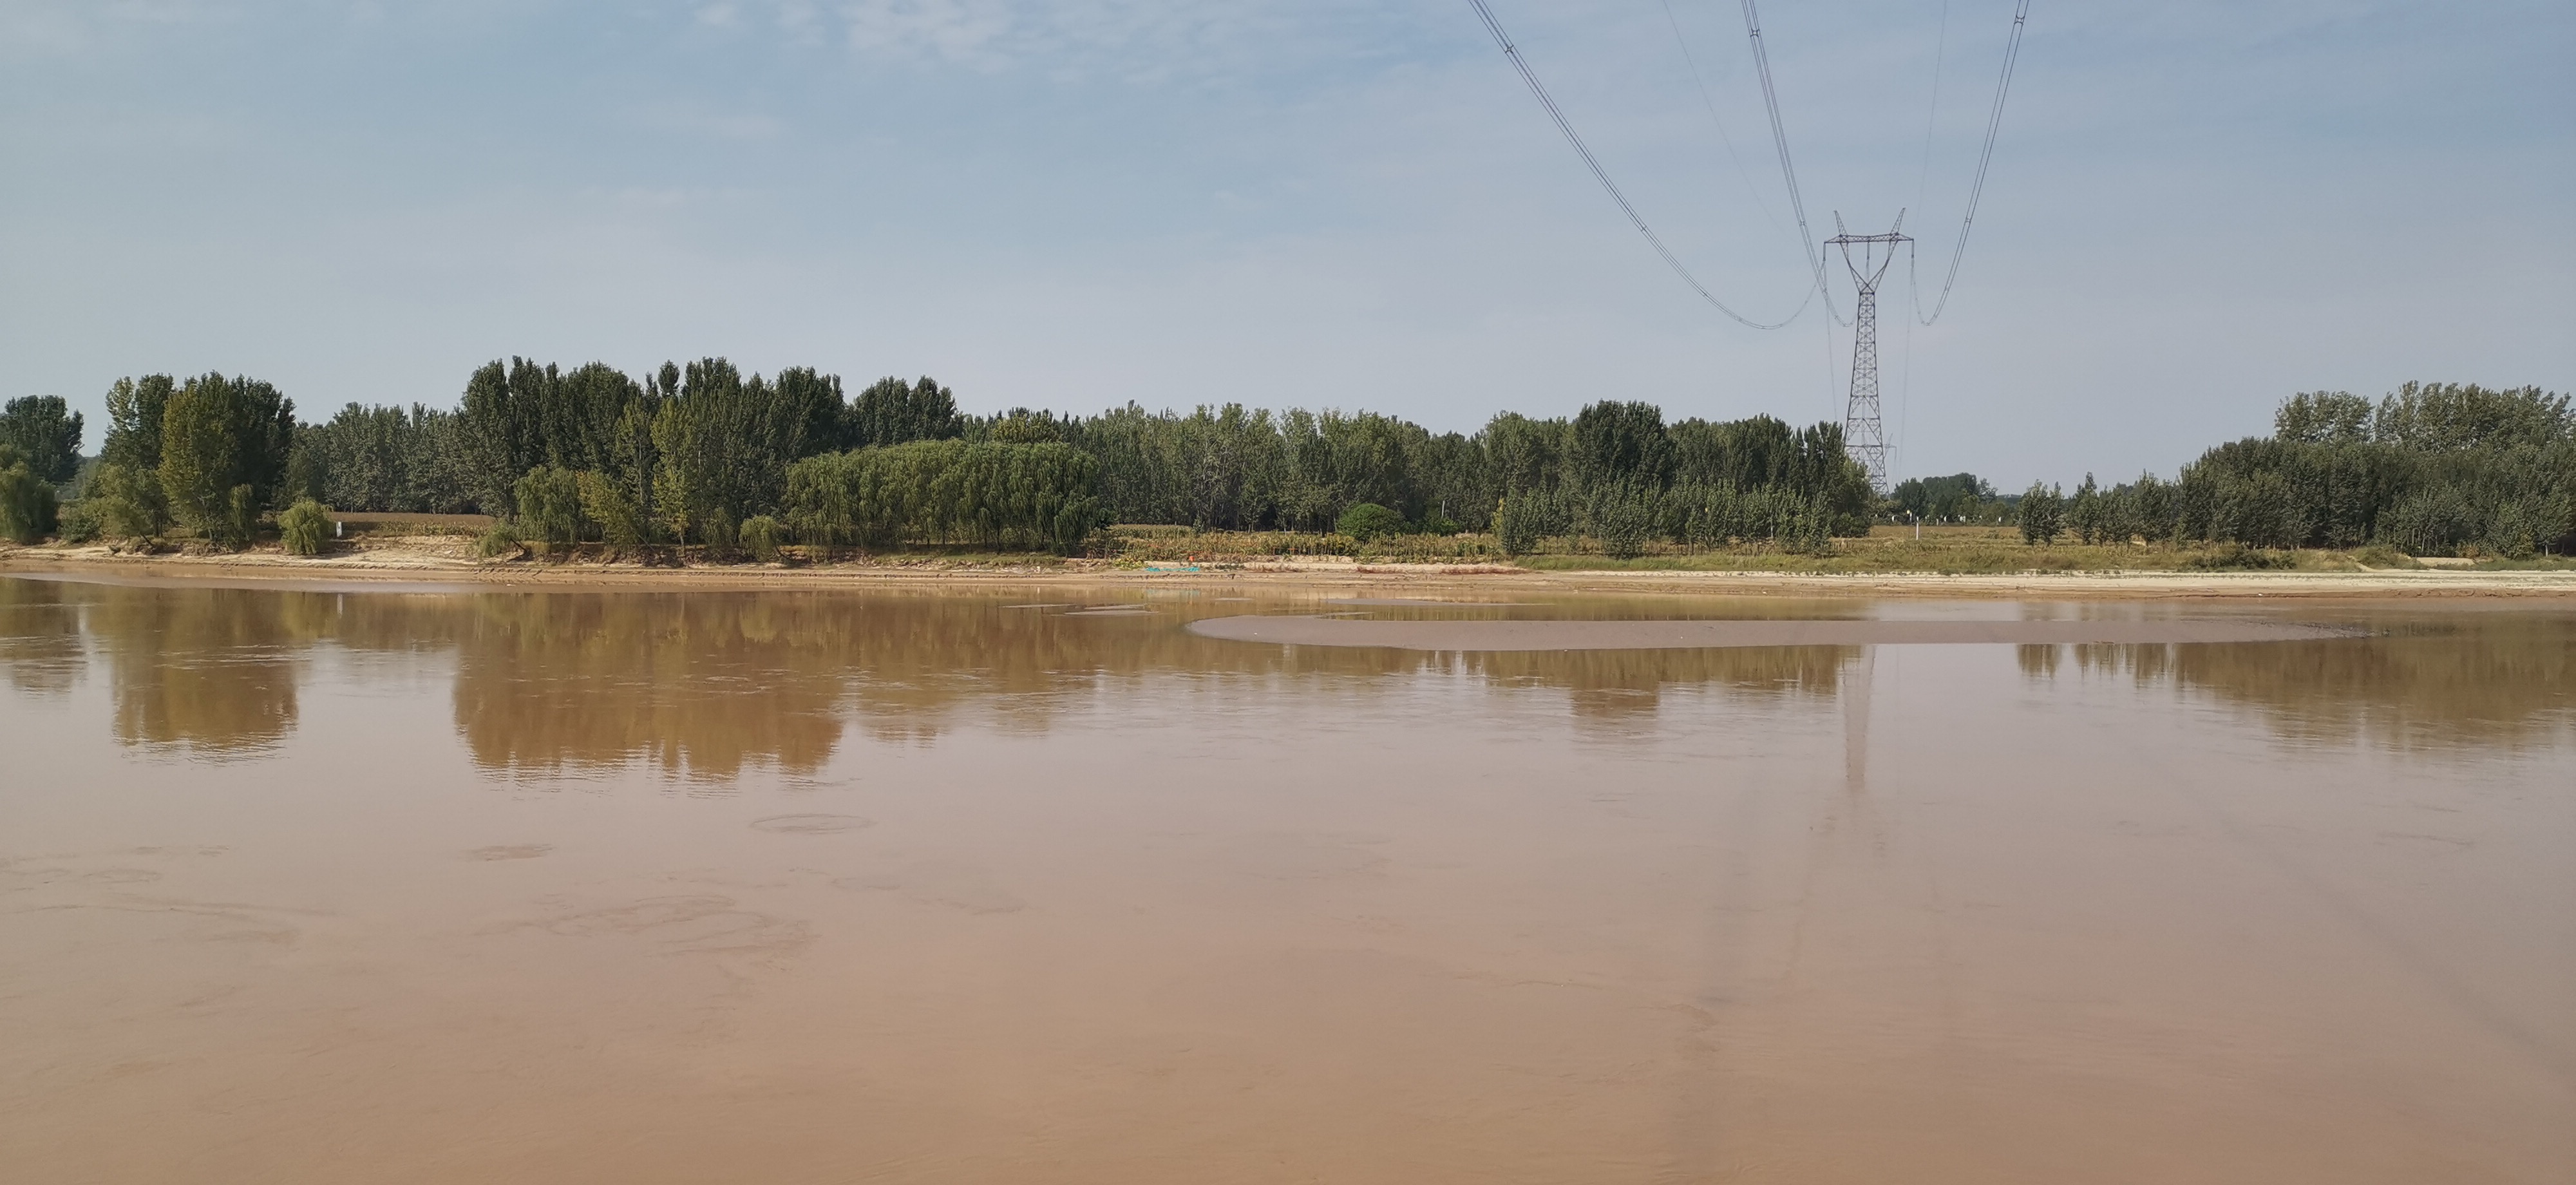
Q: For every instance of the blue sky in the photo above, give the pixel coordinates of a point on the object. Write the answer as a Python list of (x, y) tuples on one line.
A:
[(2196, 208)]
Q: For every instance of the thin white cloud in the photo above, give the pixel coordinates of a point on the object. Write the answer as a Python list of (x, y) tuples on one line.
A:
[(968, 31)]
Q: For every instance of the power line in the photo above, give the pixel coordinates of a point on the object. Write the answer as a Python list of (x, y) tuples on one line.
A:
[(1706, 100), (1599, 174), (1994, 123), (1780, 140), (1940, 56)]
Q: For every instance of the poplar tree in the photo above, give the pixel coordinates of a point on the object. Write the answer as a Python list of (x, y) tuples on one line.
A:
[(224, 443), (46, 432), (2041, 513), (134, 408)]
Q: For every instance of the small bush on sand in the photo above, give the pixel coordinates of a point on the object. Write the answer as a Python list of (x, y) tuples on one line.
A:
[(501, 540), (760, 535), (305, 528), (1368, 520)]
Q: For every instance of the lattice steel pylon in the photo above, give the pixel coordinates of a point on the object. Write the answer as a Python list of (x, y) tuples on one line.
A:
[(1864, 433)]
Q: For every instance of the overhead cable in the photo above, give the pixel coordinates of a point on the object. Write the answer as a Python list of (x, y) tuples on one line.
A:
[(1994, 122), (1780, 141), (1593, 163), (1710, 102)]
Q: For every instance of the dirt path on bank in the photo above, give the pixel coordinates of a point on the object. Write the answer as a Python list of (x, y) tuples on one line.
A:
[(446, 563)]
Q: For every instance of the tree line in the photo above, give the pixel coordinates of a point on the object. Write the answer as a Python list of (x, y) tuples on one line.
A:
[(702, 453), (2430, 469)]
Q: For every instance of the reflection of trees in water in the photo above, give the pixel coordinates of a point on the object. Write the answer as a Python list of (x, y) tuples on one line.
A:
[(40, 637), (2464, 678), (1625, 687), (697, 685), (706, 683), (212, 671), (703, 684)]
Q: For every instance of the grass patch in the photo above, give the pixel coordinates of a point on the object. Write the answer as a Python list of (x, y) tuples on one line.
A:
[(2534, 563)]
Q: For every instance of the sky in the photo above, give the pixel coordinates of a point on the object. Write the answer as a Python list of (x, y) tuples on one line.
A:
[(2194, 210)]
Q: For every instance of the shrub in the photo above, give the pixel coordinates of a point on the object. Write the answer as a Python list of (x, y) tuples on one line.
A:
[(501, 539), (1808, 532), (2238, 557), (1368, 520), (760, 536), (237, 522), (1516, 524), (79, 523), (305, 528), (1624, 520), (121, 502), (549, 501), (27, 507)]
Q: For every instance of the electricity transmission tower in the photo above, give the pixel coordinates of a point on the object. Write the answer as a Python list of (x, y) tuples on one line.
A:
[(1864, 434)]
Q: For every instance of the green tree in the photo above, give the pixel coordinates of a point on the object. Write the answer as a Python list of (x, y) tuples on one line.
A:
[(761, 536), (121, 502), (604, 501), (1022, 426), (224, 444), (2323, 417), (2436, 417), (134, 408), (891, 412), (549, 505), (1368, 520), (1516, 524), (305, 528), (2042, 514), (1623, 518), (947, 491), (27, 506), (46, 432), (1956, 498), (2434, 521), (1620, 443), (496, 431), (2088, 514), (1522, 453)]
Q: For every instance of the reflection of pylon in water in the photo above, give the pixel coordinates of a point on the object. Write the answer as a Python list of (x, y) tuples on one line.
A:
[(1864, 434), (1856, 679)]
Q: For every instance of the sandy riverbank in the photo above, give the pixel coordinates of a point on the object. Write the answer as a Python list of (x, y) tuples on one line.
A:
[(445, 561)]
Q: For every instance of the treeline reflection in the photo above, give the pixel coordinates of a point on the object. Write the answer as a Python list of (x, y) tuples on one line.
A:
[(705, 684), (2505, 679)]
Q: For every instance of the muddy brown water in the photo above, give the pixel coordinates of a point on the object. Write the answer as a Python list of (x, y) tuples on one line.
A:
[(417, 885)]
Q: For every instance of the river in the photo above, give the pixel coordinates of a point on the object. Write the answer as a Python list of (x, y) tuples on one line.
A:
[(425, 884)]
